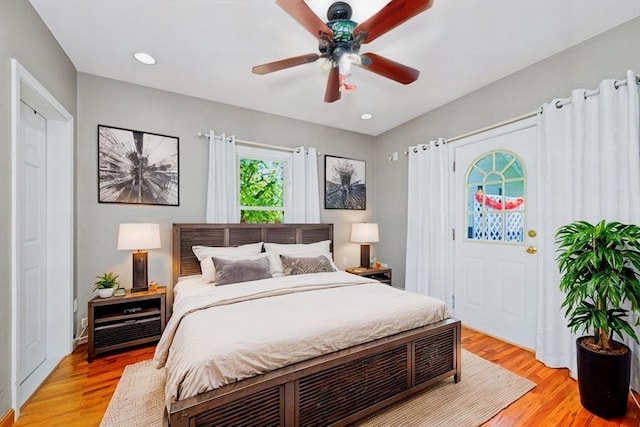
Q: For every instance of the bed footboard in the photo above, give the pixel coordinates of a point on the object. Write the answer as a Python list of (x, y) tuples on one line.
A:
[(334, 389)]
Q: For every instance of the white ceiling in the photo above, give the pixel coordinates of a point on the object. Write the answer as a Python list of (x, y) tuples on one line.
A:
[(206, 48)]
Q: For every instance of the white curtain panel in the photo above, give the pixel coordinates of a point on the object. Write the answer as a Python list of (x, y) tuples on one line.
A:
[(222, 184), (305, 200), (428, 229), (588, 169)]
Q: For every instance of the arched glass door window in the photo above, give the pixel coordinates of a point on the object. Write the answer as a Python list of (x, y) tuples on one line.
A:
[(495, 204)]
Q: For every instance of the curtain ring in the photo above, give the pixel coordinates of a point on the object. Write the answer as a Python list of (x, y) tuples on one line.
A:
[(424, 147), (558, 105), (585, 95), (437, 143), (616, 85), (415, 149)]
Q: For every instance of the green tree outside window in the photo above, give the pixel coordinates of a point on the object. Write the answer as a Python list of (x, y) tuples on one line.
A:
[(261, 191)]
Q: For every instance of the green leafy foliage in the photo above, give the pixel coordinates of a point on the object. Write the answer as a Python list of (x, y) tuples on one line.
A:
[(261, 188), (599, 264), (107, 280)]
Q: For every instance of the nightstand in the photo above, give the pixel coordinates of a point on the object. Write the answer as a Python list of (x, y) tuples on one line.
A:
[(121, 322), (380, 274)]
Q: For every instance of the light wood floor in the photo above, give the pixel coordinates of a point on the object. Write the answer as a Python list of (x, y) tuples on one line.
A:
[(77, 393)]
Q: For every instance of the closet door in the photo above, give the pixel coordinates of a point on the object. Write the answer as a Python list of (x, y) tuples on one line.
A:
[(32, 295)]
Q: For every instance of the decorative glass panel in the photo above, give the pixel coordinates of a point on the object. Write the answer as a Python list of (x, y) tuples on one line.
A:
[(495, 198)]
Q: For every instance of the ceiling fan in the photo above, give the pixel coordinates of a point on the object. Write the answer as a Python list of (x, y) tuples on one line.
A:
[(340, 39)]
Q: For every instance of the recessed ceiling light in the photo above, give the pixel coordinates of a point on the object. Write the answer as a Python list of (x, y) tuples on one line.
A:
[(145, 58), (366, 116)]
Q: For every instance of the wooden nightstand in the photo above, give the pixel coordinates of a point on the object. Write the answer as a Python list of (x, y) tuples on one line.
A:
[(120, 322), (380, 274)]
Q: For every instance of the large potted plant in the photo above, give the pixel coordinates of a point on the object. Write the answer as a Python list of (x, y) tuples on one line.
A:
[(599, 264), (106, 284)]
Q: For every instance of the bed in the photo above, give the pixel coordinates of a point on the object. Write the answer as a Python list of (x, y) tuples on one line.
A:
[(334, 387)]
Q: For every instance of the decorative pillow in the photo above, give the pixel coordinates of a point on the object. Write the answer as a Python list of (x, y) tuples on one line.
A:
[(296, 265), (204, 254), (276, 263), (229, 271), (298, 248)]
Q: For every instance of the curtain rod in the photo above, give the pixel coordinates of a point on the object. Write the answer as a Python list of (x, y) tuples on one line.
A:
[(588, 93), (487, 128), (559, 104), (494, 126), (254, 144)]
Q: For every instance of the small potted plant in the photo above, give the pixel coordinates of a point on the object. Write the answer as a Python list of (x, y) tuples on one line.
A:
[(599, 264), (106, 284)]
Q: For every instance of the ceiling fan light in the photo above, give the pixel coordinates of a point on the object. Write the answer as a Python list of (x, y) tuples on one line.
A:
[(145, 58), (366, 116)]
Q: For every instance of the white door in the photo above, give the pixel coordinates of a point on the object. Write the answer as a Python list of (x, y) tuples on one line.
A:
[(495, 226), (32, 325)]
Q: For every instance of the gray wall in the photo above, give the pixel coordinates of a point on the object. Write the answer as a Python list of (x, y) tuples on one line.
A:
[(114, 103), (24, 37), (607, 55)]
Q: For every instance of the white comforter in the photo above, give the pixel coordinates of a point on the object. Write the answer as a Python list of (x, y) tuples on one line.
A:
[(224, 334)]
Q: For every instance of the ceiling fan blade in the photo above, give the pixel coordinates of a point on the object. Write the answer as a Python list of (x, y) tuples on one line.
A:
[(332, 92), (285, 63), (393, 14), (299, 10), (388, 68)]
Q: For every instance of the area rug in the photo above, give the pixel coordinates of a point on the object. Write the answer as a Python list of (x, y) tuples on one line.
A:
[(485, 390)]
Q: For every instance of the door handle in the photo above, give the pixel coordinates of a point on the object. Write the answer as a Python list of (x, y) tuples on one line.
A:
[(532, 250)]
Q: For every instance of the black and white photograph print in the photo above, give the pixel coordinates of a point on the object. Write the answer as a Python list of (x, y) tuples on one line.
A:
[(137, 167), (344, 183)]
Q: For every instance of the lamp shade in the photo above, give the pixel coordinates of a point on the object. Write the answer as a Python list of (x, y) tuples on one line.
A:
[(364, 232), (138, 236)]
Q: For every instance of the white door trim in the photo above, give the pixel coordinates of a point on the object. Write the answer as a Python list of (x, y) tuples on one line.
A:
[(525, 122), (60, 220)]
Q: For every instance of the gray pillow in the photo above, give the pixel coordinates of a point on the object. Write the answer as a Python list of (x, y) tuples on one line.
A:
[(230, 271), (298, 265)]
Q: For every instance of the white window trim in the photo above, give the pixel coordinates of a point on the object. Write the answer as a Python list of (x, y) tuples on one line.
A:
[(244, 152)]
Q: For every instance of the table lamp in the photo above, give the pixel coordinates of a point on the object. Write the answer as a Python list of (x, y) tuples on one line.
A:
[(364, 233), (139, 237)]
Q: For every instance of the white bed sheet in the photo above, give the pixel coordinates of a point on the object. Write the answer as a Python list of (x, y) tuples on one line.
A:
[(217, 336), (189, 285)]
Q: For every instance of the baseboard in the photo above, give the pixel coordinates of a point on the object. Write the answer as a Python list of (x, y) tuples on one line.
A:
[(77, 342), (531, 350), (7, 419)]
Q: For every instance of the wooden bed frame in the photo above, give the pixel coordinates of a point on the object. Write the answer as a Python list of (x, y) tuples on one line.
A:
[(330, 390)]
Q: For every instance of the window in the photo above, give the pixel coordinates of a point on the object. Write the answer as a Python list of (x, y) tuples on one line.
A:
[(495, 207), (264, 184)]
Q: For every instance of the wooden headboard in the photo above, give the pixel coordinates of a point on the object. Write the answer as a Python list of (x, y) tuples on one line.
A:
[(185, 236)]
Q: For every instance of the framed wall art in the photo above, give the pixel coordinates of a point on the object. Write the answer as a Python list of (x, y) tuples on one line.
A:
[(137, 167), (344, 185)]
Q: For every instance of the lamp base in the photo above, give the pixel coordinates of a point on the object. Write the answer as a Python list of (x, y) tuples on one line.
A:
[(365, 261), (140, 281)]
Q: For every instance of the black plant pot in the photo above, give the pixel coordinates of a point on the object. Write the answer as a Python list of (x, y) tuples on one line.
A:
[(603, 380)]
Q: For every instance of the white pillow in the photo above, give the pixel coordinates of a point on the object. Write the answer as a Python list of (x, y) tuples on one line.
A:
[(299, 248), (204, 254)]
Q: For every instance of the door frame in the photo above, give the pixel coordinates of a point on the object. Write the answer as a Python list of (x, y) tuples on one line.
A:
[(526, 122), (59, 226)]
